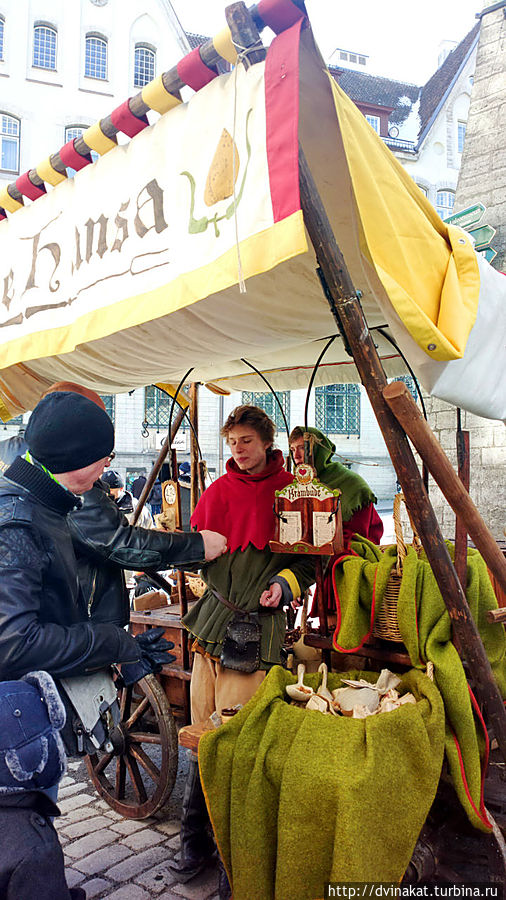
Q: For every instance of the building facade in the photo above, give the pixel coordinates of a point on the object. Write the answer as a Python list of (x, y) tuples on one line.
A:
[(82, 59), (482, 177)]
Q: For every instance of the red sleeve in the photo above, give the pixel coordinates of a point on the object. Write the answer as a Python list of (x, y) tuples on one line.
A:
[(366, 522)]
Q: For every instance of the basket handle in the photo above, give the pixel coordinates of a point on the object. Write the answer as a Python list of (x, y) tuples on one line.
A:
[(399, 537)]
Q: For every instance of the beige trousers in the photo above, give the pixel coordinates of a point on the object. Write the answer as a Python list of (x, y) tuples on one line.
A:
[(215, 688)]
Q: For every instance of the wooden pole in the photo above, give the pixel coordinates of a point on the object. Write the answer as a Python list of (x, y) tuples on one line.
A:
[(464, 473), (176, 422), (345, 306), (194, 448), (406, 411)]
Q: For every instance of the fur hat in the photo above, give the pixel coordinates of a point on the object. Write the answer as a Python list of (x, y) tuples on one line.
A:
[(32, 756), (67, 431)]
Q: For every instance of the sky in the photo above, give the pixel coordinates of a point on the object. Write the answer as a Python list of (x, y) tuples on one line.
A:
[(401, 37)]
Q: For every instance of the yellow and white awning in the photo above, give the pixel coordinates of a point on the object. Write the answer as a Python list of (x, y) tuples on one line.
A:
[(130, 272)]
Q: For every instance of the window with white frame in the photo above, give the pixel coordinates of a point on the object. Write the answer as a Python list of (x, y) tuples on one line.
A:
[(71, 133), (2, 33), (9, 140), (444, 203), (44, 46), (424, 190), (95, 59), (144, 65), (461, 134), (374, 122)]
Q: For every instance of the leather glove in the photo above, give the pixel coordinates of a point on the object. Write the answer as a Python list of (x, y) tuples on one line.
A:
[(153, 649)]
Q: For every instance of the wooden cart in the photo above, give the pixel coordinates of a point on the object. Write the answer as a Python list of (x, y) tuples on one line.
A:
[(335, 287)]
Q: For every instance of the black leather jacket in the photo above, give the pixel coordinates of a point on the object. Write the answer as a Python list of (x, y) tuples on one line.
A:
[(105, 544), (44, 622)]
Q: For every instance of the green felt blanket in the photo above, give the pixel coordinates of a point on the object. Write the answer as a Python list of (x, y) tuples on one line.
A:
[(424, 624), (297, 798)]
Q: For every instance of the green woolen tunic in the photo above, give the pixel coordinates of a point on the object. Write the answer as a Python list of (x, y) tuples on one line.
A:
[(241, 577)]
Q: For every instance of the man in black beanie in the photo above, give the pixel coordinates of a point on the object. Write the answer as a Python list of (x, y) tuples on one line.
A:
[(44, 621)]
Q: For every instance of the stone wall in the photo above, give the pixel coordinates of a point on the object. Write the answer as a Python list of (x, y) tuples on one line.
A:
[(487, 440), (483, 169)]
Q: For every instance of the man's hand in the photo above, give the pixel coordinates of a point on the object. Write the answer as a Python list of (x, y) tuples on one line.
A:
[(273, 596), (153, 651), (214, 544)]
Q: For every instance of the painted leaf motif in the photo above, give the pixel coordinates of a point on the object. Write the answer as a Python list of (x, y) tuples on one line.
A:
[(220, 180)]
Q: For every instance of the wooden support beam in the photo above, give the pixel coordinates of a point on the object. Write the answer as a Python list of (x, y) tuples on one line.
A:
[(419, 432), (194, 447), (176, 422), (464, 473), (497, 615)]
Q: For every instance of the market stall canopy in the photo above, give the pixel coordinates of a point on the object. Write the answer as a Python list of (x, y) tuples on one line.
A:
[(186, 246)]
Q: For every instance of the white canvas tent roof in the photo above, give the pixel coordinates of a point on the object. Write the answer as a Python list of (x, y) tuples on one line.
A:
[(129, 334)]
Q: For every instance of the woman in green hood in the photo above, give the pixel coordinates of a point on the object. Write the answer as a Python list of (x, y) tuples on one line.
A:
[(357, 499)]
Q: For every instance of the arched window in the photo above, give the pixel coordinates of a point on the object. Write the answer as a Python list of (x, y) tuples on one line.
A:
[(461, 135), (95, 61), (144, 65), (2, 32), (444, 203), (337, 408), (73, 131), (44, 46), (9, 141)]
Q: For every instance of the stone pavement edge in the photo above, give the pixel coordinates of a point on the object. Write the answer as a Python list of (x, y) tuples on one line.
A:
[(123, 859)]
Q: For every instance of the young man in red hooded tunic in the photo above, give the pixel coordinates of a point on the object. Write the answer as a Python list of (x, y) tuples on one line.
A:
[(252, 578)]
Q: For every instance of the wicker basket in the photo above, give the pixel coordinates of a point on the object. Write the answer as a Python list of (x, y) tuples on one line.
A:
[(386, 625)]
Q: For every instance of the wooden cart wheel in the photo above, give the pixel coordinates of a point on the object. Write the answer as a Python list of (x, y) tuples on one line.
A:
[(137, 777)]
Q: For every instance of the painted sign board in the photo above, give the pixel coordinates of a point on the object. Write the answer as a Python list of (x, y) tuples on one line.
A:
[(483, 236), (471, 215), (489, 253)]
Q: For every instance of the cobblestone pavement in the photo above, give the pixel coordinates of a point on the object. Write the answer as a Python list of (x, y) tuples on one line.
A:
[(123, 859)]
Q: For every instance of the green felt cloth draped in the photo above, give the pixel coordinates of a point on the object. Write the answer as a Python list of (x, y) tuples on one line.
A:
[(425, 626), (298, 799)]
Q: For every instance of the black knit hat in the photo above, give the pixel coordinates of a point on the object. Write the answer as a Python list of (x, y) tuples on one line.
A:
[(67, 431), (113, 479)]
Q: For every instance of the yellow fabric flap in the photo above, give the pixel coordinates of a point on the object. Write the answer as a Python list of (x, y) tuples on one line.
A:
[(49, 174), (428, 269), (97, 140), (171, 389), (8, 202), (157, 98), (223, 45)]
